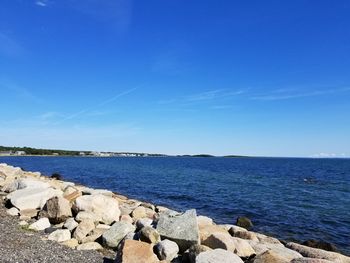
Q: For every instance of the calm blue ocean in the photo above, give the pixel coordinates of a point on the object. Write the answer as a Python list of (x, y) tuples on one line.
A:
[(292, 199)]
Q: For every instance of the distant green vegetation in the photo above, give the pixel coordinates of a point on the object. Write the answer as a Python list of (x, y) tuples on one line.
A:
[(34, 151), (203, 155)]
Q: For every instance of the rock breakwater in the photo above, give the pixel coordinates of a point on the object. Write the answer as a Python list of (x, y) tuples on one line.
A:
[(96, 219)]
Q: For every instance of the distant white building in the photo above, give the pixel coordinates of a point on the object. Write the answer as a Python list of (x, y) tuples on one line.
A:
[(20, 153)]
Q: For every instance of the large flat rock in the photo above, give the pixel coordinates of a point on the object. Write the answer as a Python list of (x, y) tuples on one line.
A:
[(32, 198), (182, 228)]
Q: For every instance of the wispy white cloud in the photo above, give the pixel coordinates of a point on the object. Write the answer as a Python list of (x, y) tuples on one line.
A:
[(42, 3), (50, 115), (285, 94), (209, 96), (221, 107), (213, 95)]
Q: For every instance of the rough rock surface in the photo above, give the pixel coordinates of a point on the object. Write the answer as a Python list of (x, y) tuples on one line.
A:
[(13, 211), (107, 208), (136, 251), (32, 198), (166, 250), (310, 260), (149, 235), (84, 228), (194, 251), (218, 255), (58, 209), (318, 253), (220, 240), (40, 225), (60, 235), (204, 221), (116, 233), (90, 246), (243, 248), (142, 222), (208, 230), (180, 228), (270, 256), (70, 224)]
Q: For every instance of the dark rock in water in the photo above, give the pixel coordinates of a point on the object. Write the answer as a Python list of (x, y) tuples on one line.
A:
[(244, 222), (56, 176), (321, 245)]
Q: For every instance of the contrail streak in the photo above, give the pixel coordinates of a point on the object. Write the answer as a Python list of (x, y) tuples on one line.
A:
[(103, 103)]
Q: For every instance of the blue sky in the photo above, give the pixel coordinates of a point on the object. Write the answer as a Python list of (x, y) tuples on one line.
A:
[(267, 78)]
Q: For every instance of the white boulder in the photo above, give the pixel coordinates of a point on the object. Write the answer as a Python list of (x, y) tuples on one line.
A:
[(40, 225), (60, 235), (32, 198), (105, 207)]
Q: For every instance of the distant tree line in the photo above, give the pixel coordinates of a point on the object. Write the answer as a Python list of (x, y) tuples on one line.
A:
[(34, 151)]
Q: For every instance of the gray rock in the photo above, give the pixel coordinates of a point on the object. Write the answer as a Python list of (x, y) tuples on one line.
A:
[(310, 260), (93, 235), (40, 225), (143, 222), (58, 209), (149, 235), (180, 228), (60, 235), (90, 246), (83, 229), (116, 233), (82, 215), (320, 244), (166, 250), (70, 224), (278, 249), (218, 255), (318, 253)]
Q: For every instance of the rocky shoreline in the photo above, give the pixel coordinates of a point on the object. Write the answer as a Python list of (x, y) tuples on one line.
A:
[(79, 220)]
